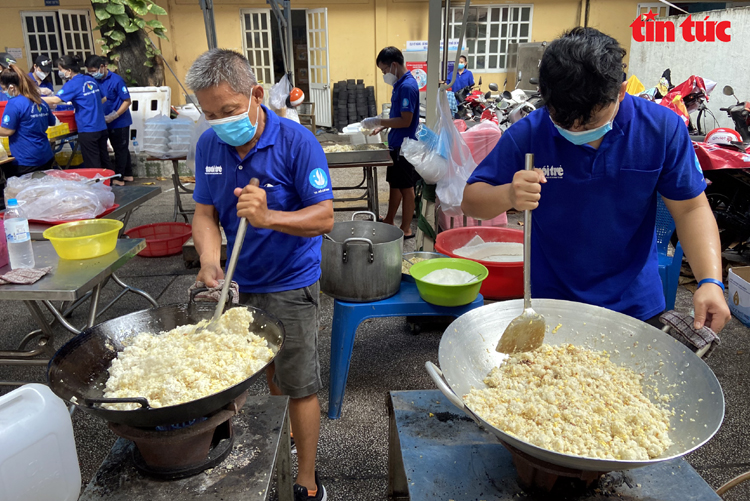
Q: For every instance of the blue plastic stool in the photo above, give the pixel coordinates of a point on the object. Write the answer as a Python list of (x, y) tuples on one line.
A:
[(347, 317), (669, 267)]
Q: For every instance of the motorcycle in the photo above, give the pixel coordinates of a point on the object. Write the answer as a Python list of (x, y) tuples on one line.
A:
[(726, 168), (517, 105)]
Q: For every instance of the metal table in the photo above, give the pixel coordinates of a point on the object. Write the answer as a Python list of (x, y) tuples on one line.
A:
[(179, 188), (436, 452), (69, 282), (369, 184), (128, 198), (58, 142), (261, 447)]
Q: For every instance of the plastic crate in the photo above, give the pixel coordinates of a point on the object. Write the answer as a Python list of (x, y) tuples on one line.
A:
[(58, 130), (6, 144), (162, 239)]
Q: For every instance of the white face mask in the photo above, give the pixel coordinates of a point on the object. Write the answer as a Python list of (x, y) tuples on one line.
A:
[(390, 78), (40, 74)]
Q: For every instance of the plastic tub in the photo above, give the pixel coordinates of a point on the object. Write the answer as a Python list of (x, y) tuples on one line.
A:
[(448, 295), (505, 280), (162, 239), (38, 454), (68, 117), (85, 239), (92, 173)]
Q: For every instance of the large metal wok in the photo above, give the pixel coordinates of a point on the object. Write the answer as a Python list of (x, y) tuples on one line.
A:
[(79, 368), (467, 354)]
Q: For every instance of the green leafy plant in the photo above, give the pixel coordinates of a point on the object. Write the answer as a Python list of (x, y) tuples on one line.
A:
[(121, 20)]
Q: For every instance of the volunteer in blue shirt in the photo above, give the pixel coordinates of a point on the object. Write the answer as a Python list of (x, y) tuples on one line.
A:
[(5, 61), (464, 78), (403, 121), (116, 114), (40, 75), (279, 268), (24, 121), (88, 102), (603, 157)]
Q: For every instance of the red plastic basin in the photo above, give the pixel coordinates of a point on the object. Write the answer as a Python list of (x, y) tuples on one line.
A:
[(162, 239), (505, 280), (68, 117), (91, 173)]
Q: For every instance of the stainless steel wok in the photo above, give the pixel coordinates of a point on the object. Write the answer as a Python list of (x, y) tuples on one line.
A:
[(467, 354), (80, 368)]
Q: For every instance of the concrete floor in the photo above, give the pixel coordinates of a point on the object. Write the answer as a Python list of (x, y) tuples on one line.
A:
[(387, 356)]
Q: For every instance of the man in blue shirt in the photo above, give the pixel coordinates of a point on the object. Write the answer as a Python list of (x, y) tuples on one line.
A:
[(403, 121), (465, 78), (603, 157), (279, 268)]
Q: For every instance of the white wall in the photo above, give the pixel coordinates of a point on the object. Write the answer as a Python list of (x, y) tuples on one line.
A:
[(727, 63)]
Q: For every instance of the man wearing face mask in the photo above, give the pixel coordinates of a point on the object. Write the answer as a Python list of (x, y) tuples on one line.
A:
[(279, 267), (403, 121), (603, 157), (40, 75)]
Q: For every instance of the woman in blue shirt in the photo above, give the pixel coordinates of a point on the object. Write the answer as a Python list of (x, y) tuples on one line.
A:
[(116, 114), (465, 78), (88, 102), (24, 122), (40, 74)]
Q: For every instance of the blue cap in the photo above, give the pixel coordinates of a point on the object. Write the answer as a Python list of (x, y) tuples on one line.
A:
[(12, 202)]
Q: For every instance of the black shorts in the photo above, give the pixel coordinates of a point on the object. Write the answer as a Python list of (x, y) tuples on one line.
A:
[(401, 175)]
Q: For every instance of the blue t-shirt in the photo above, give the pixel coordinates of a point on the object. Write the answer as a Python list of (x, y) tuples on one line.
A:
[(29, 143), (46, 83), (292, 168), (114, 89), (593, 238), (463, 80), (3, 96), (84, 93), (405, 97)]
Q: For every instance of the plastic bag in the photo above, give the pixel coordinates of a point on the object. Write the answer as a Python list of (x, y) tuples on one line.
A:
[(481, 139), (55, 195), (278, 94), (461, 164), (3, 153), (156, 136), (200, 127), (431, 166)]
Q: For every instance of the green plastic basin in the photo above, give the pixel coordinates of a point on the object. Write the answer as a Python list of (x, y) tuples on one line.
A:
[(448, 295)]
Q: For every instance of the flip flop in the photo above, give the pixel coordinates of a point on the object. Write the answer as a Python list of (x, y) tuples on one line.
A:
[(381, 219), (407, 237)]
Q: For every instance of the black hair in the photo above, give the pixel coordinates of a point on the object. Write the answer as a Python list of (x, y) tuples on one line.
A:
[(580, 72), (390, 55), (13, 75), (73, 63), (95, 61), (464, 58)]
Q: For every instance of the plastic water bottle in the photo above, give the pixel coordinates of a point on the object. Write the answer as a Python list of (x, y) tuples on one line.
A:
[(19, 238)]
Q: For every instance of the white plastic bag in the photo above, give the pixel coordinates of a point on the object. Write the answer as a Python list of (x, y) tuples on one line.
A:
[(156, 136), (430, 165), (461, 164), (278, 94), (55, 195), (200, 127)]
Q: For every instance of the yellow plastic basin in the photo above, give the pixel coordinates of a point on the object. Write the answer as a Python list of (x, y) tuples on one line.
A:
[(84, 239)]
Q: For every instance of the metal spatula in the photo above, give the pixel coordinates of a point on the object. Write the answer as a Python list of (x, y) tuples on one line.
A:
[(239, 239), (525, 332)]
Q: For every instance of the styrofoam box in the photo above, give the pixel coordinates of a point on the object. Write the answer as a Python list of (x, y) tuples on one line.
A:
[(739, 293), (147, 102)]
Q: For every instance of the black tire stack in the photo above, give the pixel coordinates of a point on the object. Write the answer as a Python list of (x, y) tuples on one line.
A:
[(352, 102)]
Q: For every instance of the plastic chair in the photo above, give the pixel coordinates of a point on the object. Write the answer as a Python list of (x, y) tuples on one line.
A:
[(347, 317), (669, 266)]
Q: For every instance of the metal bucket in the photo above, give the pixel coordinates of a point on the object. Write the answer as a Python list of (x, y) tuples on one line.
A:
[(362, 260)]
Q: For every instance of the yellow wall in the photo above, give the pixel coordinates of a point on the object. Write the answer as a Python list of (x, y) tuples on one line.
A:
[(357, 29)]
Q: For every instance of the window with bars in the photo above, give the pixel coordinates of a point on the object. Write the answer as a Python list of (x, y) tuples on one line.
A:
[(56, 33), (489, 30), (258, 44)]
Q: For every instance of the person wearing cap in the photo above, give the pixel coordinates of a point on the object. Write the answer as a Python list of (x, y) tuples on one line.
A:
[(40, 74), (86, 95), (116, 114), (5, 61)]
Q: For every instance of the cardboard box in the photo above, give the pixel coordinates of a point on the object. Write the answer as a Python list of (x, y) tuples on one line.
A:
[(739, 293)]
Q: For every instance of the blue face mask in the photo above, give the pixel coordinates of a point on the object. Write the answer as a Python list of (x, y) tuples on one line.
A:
[(461, 66), (586, 136), (98, 75), (235, 130)]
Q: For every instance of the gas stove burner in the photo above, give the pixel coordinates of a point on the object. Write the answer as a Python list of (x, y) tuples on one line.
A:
[(535, 473), (172, 452)]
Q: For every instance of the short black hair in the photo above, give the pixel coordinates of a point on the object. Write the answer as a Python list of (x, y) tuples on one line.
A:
[(390, 55), (95, 61), (580, 72), (464, 58), (72, 62)]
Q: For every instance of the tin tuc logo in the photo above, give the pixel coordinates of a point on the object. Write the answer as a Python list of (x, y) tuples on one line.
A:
[(646, 28)]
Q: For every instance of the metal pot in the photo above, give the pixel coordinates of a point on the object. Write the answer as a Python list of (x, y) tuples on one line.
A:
[(362, 260), (467, 354)]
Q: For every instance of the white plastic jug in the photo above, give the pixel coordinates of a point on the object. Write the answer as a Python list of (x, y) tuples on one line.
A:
[(38, 460)]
